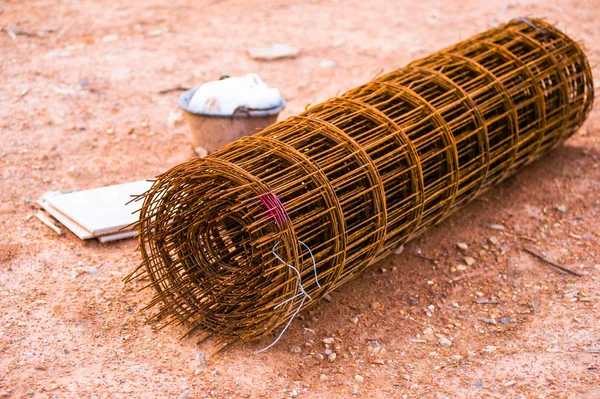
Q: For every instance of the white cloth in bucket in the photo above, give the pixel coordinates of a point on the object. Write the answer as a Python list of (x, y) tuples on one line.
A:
[(223, 97)]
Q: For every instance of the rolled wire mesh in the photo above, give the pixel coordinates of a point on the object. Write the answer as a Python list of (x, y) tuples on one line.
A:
[(239, 241)]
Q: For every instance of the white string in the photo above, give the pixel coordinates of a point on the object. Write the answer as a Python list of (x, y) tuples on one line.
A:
[(300, 287)]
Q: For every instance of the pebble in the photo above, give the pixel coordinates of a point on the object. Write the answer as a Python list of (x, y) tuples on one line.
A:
[(490, 349), (376, 305), (338, 43), (201, 151), (406, 377), (296, 349), (462, 246), (445, 342), (328, 352), (469, 260), (496, 227), (26, 200), (323, 377), (200, 359), (489, 321), (479, 384), (120, 74), (494, 241), (399, 250), (561, 208), (505, 320), (510, 383), (319, 356), (294, 393), (110, 38), (273, 52), (327, 64), (354, 320), (332, 357), (355, 391), (328, 298), (359, 378), (91, 270), (461, 267), (329, 340)]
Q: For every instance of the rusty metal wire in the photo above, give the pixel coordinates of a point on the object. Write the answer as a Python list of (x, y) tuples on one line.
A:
[(237, 242)]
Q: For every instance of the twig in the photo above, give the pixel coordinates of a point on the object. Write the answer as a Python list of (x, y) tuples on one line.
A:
[(540, 257), (486, 302), (22, 94), (20, 32), (425, 257), (176, 88)]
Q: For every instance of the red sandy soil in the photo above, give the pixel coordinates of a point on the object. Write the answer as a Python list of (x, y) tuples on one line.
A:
[(80, 108)]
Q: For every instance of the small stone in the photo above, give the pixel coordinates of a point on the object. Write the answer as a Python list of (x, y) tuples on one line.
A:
[(496, 227), (445, 342), (469, 260), (510, 383), (329, 340), (489, 321), (479, 384), (327, 64), (376, 305), (505, 320), (157, 32), (120, 74), (26, 200), (471, 354), (338, 43), (489, 349), (494, 241), (274, 52), (406, 377), (461, 267), (428, 331), (110, 38), (462, 246), (319, 356), (399, 250), (328, 298), (201, 151), (359, 378), (328, 352), (323, 377), (332, 357), (91, 270), (175, 118), (72, 171), (561, 208), (296, 349), (294, 394), (354, 320), (355, 391)]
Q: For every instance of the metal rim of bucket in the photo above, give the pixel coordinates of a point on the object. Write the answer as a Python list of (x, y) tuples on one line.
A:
[(184, 100)]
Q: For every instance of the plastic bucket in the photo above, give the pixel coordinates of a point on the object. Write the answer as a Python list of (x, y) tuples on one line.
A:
[(213, 132)]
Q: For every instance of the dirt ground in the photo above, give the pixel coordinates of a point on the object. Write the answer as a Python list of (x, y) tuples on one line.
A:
[(81, 108)]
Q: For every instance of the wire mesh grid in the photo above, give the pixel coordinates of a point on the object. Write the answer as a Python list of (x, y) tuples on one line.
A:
[(236, 243)]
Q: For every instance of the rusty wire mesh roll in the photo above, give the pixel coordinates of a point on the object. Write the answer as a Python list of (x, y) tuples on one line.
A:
[(330, 191)]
